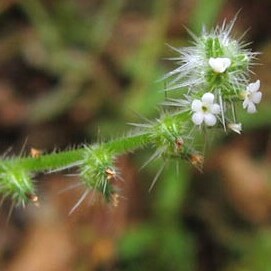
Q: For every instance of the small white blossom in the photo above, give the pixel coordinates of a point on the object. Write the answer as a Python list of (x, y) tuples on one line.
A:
[(252, 96), (205, 110), (236, 127), (219, 64)]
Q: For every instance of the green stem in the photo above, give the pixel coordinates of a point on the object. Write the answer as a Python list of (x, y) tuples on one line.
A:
[(69, 158)]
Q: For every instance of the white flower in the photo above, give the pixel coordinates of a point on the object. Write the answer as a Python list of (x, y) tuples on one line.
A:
[(236, 127), (219, 64), (205, 110), (252, 96)]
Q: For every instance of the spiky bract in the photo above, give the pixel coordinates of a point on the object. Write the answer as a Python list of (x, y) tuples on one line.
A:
[(16, 184), (97, 169)]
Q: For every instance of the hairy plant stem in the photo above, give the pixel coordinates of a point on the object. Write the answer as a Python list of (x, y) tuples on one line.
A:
[(67, 159)]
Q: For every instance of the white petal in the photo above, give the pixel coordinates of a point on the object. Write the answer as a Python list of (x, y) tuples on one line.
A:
[(253, 87), (215, 109), (236, 127), (197, 118), (246, 102), (256, 97), (196, 105), (251, 108), (216, 65), (227, 62), (219, 64), (208, 98), (209, 119)]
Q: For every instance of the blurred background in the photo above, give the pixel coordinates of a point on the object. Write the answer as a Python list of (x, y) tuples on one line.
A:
[(76, 71)]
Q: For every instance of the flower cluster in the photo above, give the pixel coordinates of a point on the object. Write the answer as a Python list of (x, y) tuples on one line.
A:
[(215, 75)]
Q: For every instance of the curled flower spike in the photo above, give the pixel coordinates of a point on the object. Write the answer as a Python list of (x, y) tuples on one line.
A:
[(205, 110), (219, 64), (214, 53), (252, 96)]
